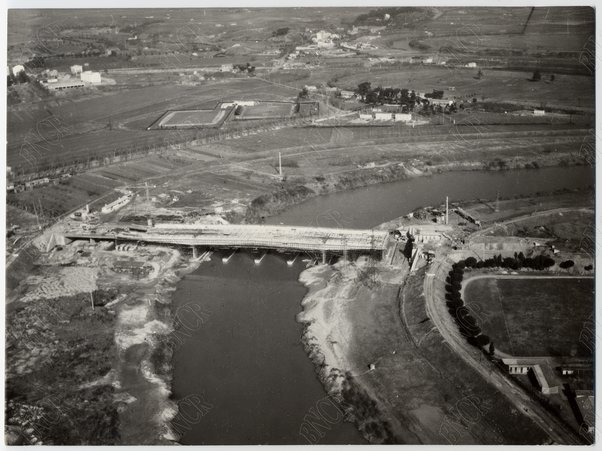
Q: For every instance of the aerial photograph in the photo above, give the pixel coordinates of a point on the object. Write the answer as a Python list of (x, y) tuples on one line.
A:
[(300, 225)]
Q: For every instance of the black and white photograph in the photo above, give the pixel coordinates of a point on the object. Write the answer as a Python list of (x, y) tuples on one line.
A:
[(349, 223)]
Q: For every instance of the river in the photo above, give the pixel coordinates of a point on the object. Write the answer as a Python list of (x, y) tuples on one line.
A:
[(246, 360)]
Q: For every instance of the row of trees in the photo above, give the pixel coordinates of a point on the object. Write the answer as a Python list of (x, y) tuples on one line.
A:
[(466, 322), (538, 263)]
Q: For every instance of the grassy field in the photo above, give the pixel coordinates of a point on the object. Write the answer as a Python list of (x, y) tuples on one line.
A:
[(192, 118), (533, 317), (267, 110)]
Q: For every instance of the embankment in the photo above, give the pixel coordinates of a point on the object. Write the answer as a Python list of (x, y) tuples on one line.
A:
[(327, 341)]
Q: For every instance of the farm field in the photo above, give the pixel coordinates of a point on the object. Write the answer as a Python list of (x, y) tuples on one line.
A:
[(57, 132), (533, 317), (564, 227), (567, 91)]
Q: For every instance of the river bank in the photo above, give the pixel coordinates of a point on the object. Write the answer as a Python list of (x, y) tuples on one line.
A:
[(333, 291), (297, 190)]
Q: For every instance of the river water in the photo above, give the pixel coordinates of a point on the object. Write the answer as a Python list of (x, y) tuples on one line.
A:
[(246, 360)]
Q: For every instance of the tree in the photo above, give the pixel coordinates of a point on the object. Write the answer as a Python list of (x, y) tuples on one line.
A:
[(371, 97), (304, 94), (491, 349), (552, 77), (536, 75), (482, 340), (567, 264), (470, 262), (363, 89)]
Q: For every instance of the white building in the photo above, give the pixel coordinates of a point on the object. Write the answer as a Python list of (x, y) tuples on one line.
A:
[(17, 69), (383, 116), (347, 94), (245, 102), (226, 68), (90, 77), (402, 117), (56, 85), (76, 69), (539, 113), (472, 64), (311, 88)]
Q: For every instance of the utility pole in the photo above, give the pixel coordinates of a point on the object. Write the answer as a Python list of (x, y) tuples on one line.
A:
[(446, 210), (92, 300), (280, 164), (497, 201), (146, 186)]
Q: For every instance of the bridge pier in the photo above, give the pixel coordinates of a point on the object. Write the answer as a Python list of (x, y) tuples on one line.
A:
[(227, 259), (345, 255), (259, 259), (291, 261), (323, 257), (195, 252)]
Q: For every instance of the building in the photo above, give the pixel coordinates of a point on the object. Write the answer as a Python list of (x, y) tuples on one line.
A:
[(62, 85), (17, 69), (347, 94), (90, 77), (117, 204), (471, 64), (226, 68), (402, 117), (539, 113), (585, 400), (37, 182), (542, 369), (311, 88), (379, 116), (76, 69)]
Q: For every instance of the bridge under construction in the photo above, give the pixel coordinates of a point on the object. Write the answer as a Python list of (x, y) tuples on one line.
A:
[(234, 236)]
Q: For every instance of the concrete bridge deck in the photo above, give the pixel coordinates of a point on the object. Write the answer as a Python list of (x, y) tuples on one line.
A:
[(249, 236)]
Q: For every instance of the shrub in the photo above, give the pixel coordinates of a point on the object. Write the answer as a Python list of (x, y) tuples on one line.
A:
[(567, 264)]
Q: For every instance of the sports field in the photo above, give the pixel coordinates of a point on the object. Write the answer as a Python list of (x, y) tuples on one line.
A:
[(267, 110), (192, 118), (533, 316)]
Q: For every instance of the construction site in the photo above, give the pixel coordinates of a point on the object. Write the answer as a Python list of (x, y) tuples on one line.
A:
[(379, 197)]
